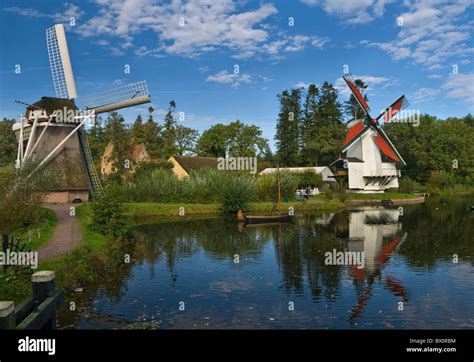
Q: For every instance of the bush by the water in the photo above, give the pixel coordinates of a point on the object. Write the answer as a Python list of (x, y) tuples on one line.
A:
[(108, 216)]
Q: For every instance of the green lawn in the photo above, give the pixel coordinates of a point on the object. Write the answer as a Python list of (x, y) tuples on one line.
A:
[(40, 231), (15, 286), (148, 209)]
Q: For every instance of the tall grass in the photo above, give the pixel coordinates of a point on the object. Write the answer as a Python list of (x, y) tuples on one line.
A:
[(232, 190)]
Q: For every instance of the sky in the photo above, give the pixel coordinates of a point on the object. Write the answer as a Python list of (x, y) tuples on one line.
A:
[(227, 60)]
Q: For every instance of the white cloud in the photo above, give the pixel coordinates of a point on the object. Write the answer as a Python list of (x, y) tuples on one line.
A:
[(234, 79), (461, 87), (433, 33), (301, 84), (188, 28), (424, 94), (310, 2), (372, 82), (69, 11), (435, 76), (352, 12), (184, 28)]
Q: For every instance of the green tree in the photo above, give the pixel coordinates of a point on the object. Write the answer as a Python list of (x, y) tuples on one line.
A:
[(96, 138), (138, 131), (245, 140), (213, 141), (287, 129), (329, 109), (309, 126), (169, 135), (8, 142), (116, 133), (186, 138), (235, 139)]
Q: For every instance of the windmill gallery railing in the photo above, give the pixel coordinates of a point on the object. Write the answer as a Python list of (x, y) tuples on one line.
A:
[(385, 172)]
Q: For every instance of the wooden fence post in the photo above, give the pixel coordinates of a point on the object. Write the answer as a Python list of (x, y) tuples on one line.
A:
[(43, 285), (7, 315)]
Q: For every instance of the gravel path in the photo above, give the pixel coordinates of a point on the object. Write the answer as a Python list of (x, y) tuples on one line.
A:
[(66, 236)]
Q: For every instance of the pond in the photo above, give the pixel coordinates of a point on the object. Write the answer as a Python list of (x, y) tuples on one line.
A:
[(416, 271)]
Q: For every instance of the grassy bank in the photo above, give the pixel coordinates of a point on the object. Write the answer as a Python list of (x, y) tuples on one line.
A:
[(14, 286), (40, 231), (148, 209), (71, 269)]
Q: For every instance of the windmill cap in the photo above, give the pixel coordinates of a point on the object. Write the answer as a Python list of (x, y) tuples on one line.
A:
[(51, 104)]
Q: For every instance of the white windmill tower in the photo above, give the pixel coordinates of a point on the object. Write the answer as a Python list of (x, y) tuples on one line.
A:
[(371, 158), (52, 130)]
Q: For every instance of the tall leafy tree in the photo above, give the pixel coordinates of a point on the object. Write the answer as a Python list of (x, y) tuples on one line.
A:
[(245, 140), (235, 139), (213, 141), (186, 138), (351, 107)]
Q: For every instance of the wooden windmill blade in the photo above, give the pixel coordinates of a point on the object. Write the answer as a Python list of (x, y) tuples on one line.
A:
[(357, 94), (392, 110), (354, 134), (386, 146), (60, 62), (122, 97)]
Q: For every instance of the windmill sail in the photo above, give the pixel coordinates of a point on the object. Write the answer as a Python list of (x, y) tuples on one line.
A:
[(117, 98), (60, 62), (357, 94)]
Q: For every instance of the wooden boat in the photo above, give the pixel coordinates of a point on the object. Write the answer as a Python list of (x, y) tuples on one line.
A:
[(265, 219)]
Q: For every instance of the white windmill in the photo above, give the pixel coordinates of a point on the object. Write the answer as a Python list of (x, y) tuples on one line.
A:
[(371, 158), (51, 131)]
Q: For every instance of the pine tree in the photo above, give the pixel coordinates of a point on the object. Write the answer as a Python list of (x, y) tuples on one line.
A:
[(116, 133), (138, 133), (169, 135), (329, 109), (152, 136), (96, 139), (288, 127), (309, 126), (351, 107)]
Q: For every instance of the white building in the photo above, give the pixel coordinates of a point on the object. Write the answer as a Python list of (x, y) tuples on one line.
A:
[(324, 171)]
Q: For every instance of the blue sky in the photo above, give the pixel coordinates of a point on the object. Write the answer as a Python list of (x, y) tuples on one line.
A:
[(188, 50)]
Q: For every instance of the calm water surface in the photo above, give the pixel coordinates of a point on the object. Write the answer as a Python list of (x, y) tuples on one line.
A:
[(409, 264)]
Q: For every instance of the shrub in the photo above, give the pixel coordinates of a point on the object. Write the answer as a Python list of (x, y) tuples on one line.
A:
[(310, 178), (108, 217), (236, 192), (408, 185)]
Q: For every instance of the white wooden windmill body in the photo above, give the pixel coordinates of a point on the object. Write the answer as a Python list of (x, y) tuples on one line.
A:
[(371, 159), (371, 166), (52, 130)]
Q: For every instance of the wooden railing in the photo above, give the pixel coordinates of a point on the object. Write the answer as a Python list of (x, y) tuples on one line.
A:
[(38, 311)]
